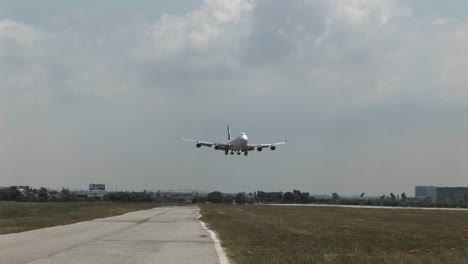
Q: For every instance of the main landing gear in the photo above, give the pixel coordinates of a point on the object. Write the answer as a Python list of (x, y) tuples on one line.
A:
[(226, 152)]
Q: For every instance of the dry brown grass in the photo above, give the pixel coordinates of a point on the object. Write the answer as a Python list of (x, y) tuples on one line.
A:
[(270, 234), (19, 217)]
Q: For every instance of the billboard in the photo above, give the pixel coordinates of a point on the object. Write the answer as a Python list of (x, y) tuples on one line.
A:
[(97, 187)]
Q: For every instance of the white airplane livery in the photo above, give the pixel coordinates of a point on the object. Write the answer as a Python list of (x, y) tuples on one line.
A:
[(237, 145)]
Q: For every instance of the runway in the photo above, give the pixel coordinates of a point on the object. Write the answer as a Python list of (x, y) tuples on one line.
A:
[(159, 235)]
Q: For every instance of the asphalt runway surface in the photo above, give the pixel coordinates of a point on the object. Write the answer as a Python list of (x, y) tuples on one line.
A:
[(159, 235)]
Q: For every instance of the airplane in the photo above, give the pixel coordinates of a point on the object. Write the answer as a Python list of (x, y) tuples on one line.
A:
[(236, 145)]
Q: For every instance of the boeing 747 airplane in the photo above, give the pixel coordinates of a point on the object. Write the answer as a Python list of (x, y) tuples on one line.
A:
[(236, 145)]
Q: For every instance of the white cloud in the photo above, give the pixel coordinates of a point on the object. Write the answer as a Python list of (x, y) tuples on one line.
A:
[(18, 32), (215, 26), (452, 78), (20, 67), (366, 12), (339, 52), (440, 21)]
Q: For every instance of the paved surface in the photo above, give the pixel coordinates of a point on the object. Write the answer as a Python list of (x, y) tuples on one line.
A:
[(160, 235)]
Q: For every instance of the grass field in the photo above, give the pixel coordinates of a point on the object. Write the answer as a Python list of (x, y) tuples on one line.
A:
[(271, 234), (18, 217)]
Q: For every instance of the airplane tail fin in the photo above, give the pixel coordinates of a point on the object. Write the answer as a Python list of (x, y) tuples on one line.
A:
[(229, 133)]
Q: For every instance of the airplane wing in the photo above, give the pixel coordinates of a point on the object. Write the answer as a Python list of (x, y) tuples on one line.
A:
[(202, 143), (259, 147), (209, 144)]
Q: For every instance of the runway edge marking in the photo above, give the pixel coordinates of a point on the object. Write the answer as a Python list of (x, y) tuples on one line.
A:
[(223, 259)]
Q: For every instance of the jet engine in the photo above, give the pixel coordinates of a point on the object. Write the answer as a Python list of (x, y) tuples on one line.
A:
[(198, 145), (272, 147), (259, 149), (216, 147)]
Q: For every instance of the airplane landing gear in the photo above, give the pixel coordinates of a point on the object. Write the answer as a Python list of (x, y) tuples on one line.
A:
[(233, 152)]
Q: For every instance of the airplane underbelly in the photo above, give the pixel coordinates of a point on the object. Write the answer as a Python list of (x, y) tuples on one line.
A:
[(239, 145)]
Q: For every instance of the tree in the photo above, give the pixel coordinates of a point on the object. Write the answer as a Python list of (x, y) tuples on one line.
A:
[(43, 194), (260, 197), (117, 196), (228, 199), (214, 197), (312, 199), (5, 195), (297, 195), (305, 198), (240, 198), (403, 197), (14, 194), (393, 197), (288, 197), (362, 195), (65, 194), (335, 197)]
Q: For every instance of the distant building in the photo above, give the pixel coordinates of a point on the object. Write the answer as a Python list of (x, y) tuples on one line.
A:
[(425, 192), (442, 194), (451, 195)]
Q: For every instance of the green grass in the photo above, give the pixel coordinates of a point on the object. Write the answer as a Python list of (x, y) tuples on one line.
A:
[(270, 234), (19, 217)]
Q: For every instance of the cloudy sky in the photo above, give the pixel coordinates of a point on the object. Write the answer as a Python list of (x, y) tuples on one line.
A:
[(371, 95)]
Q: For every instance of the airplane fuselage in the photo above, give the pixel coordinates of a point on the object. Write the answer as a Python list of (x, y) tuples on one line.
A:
[(239, 143)]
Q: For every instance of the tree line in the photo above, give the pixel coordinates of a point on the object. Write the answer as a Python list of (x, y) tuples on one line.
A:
[(296, 196), (258, 197)]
